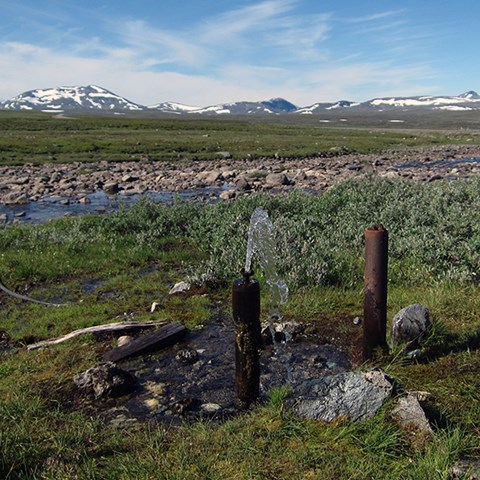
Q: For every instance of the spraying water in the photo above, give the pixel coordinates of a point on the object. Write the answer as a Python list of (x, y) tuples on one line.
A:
[(261, 243)]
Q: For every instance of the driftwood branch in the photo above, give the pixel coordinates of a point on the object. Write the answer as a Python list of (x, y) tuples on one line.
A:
[(109, 327)]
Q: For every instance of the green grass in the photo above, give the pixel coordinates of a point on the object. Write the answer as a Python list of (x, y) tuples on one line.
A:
[(114, 267), (38, 139)]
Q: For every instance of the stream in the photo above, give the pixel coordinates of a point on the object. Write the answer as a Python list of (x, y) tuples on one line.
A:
[(57, 207)]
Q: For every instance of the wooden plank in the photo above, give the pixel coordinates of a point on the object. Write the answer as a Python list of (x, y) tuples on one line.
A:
[(105, 328), (151, 342)]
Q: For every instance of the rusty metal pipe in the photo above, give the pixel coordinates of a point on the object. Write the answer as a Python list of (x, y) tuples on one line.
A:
[(246, 319), (375, 291)]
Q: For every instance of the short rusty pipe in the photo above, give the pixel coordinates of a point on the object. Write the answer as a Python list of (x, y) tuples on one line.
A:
[(375, 291), (246, 319)]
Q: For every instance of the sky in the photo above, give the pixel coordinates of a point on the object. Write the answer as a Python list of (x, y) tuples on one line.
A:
[(206, 52)]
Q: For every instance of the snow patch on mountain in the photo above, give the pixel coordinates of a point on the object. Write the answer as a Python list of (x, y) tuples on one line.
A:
[(70, 98)]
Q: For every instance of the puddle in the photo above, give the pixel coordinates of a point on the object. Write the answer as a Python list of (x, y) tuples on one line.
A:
[(196, 378)]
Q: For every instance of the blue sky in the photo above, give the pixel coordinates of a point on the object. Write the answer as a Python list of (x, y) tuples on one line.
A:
[(204, 52)]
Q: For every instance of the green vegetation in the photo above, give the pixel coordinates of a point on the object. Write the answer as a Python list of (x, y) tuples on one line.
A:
[(37, 138), (115, 266)]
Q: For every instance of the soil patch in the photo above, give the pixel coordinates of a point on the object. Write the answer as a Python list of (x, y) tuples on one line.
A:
[(196, 378)]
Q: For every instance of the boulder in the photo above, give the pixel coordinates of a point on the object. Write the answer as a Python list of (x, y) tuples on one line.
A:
[(410, 324), (352, 395), (106, 380)]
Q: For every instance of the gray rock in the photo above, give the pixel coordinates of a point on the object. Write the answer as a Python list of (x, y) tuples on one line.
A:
[(228, 194), (127, 178), (243, 184), (353, 395), (210, 408), (14, 198), (111, 187), (106, 380), (467, 468), (410, 416), (179, 287), (187, 356), (213, 177), (3, 218), (410, 324), (277, 179), (123, 340)]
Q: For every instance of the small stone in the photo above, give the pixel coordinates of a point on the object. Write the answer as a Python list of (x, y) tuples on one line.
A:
[(111, 187), (210, 408), (179, 287), (213, 177), (3, 217), (152, 403), (357, 321), (106, 380), (243, 184), (19, 214), (155, 388), (414, 355), (277, 180), (84, 200), (123, 340), (129, 178), (187, 356), (227, 194)]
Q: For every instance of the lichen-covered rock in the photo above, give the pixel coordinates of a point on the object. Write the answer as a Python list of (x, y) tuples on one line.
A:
[(353, 395), (410, 324), (410, 416), (106, 380)]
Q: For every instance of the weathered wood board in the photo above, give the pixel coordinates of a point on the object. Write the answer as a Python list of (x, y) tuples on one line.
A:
[(151, 342)]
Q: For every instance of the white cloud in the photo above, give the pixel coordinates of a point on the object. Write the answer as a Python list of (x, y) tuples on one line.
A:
[(260, 51)]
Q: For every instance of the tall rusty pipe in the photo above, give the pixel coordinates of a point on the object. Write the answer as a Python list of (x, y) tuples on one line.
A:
[(375, 291), (246, 319)]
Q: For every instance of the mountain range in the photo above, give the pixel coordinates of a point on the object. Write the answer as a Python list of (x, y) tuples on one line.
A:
[(93, 98)]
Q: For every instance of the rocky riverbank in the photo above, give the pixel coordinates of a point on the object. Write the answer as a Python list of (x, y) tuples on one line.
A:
[(20, 185)]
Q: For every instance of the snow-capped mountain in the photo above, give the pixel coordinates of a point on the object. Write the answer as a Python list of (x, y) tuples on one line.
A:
[(97, 99), (322, 107), (274, 105), (172, 107), (466, 101), (63, 99)]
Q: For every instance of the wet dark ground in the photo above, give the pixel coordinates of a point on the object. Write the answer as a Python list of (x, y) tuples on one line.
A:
[(196, 378)]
